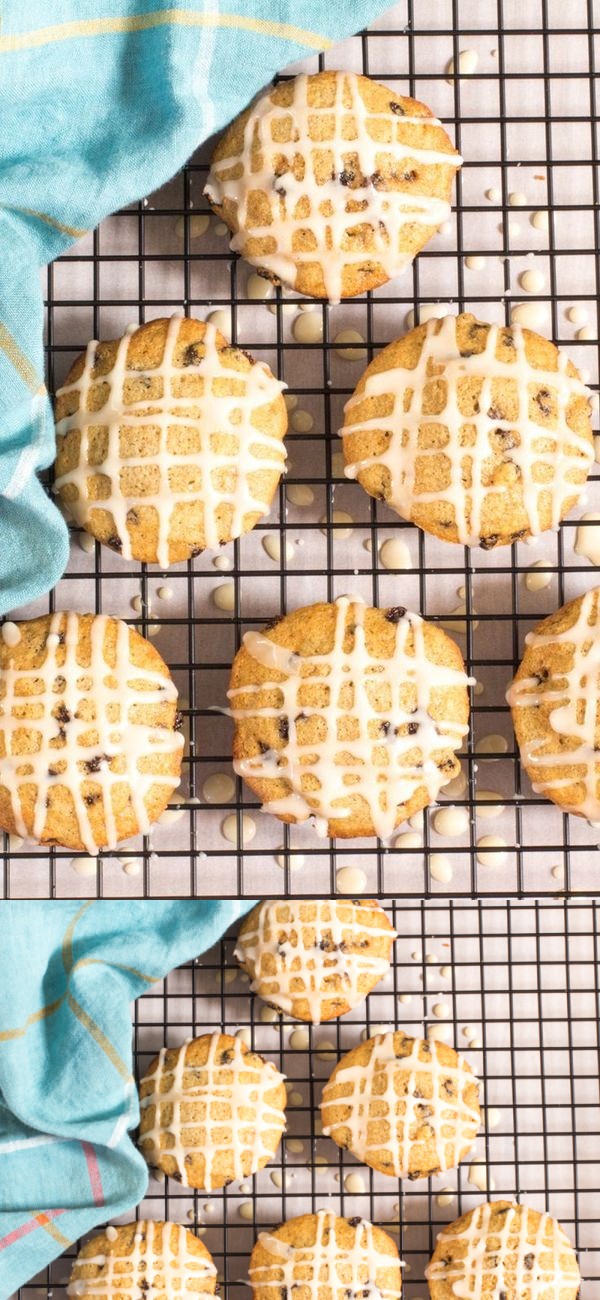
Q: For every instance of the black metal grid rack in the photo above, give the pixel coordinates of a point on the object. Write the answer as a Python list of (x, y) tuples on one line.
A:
[(521, 976), (526, 122)]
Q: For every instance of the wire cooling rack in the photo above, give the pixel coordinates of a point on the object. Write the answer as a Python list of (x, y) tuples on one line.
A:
[(522, 977), (526, 122)]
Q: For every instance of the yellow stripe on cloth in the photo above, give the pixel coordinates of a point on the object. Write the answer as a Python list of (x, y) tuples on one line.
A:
[(74, 231), (21, 363), (50, 1228), (161, 18), (99, 1037)]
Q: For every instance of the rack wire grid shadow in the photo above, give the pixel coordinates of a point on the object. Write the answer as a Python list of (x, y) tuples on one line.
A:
[(519, 981), (526, 123)]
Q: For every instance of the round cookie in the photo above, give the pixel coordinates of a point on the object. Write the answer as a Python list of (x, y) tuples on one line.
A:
[(476, 433), (169, 441), (555, 704), (503, 1249), (326, 1258), (90, 749), (349, 715), (315, 960), (163, 1260), (212, 1111), (404, 1106), (332, 183)]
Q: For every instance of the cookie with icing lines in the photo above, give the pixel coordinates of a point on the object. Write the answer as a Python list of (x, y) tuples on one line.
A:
[(327, 1258), (555, 705), (315, 960), (349, 715), (332, 183), (90, 747), (503, 1249), (212, 1111), (147, 1258), (477, 433), (404, 1106), (169, 441)]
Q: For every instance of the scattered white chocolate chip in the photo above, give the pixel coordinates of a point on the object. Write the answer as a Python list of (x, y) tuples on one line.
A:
[(245, 1035), (354, 1183), (492, 744), (577, 315), (441, 1010), (170, 816), (491, 1117), (291, 401), (447, 1196), (467, 63), (491, 851), (540, 220), (517, 199), (221, 228), (221, 319), (405, 998), (222, 562), (277, 1177), (197, 225), (219, 787), (87, 543), (586, 333), (299, 494), (164, 593), (111, 1233), (445, 972), (295, 861), (229, 829), (246, 1210), (530, 314), (475, 262), (271, 543), (302, 421), (455, 620), (350, 880), (394, 554), (269, 1015), (295, 1099), (84, 866), (439, 1033), (457, 786), (537, 577), (489, 804), (136, 604), (440, 868), (339, 517), (451, 821), (131, 866), (344, 339), (295, 1145), (11, 634), (224, 597), (532, 281), (299, 1040), (258, 288), (558, 872), (468, 1031), (428, 311), (478, 1176), (308, 327), (494, 195), (587, 538), (408, 840), (326, 1050)]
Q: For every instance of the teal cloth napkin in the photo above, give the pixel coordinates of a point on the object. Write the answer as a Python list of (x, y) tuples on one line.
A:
[(68, 973), (101, 101)]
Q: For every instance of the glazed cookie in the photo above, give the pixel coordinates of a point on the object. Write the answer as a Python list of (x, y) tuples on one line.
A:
[(170, 441), (504, 1250), (315, 960), (90, 751), (212, 1111), (349, 715), (326, 1258), (555, 703), (332, 183), (404, 1106), (148, 1258), (479, 434)]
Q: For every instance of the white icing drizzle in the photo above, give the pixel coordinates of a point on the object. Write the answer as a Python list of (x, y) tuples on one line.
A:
[(314, 973), (212, 414), (328, 210), (574, 692), (521, 1258), (393, 754), (65, 697), (156, 1266), (344, 1271), (215, 1101), (539, 471), (390, 1087)]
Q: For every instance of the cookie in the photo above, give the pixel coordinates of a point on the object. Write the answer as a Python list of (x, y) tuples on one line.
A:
[(404, 1106), (315, 960), (90, 751), (332, 183), (479, 434), (212, 1111), (555, 704), (326, 1258), (148, 1258), (505, 1250), (348, 715), (169, 441)]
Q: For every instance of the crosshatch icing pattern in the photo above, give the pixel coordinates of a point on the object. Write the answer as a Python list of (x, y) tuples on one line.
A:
[(521, 233), (513, 986)]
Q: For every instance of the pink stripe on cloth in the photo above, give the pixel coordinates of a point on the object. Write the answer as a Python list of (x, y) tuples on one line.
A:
[(25, 1228), (94, 1173)]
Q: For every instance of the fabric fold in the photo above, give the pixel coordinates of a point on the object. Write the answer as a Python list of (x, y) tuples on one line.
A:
[(68, 1098), (98, 109)]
